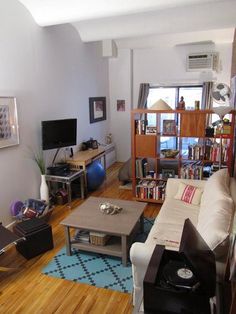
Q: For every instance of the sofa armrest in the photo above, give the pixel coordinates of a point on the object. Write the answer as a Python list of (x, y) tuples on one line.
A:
[(140, 255), (173, 184)]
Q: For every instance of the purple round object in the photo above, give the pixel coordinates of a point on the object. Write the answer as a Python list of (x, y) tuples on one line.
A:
[(16, 207)]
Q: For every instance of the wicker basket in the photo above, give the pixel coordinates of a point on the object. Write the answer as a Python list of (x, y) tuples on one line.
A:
[(97, 238)]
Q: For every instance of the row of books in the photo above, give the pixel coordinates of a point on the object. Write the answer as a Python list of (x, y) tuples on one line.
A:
[(140, 126), (151, 189), (142, 169), (192, 171), (214, 153), (209, 152)]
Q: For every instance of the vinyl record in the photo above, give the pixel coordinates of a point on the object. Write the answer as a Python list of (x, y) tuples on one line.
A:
[(178, 274)]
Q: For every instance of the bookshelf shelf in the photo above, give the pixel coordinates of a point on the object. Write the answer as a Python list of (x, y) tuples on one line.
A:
[(186, 132)]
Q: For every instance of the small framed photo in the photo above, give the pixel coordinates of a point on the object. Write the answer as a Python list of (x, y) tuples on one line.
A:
[(120, 105), (152, 130), (169, 127), (97, 109), (168, 173)]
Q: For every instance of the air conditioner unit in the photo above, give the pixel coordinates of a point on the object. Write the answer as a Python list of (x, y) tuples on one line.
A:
[(203, 61)]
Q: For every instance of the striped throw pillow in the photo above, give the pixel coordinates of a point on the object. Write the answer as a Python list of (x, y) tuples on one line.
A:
[(189, 194)]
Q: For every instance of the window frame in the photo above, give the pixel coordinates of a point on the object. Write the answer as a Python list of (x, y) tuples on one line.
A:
[(177, 97)]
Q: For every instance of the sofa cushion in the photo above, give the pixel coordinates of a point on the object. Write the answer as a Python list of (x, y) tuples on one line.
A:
[(189, 194), (215, 223), (175, 212), (216, 187)]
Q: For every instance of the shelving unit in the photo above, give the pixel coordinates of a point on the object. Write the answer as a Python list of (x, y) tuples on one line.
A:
[(177, 129)]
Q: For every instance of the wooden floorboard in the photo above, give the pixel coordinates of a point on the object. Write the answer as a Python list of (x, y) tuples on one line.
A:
[(24, 289)]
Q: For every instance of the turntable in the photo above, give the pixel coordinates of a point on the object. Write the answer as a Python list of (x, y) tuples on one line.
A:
[(181, 282)]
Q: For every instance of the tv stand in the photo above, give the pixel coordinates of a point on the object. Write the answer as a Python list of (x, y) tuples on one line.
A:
[(55, 156)]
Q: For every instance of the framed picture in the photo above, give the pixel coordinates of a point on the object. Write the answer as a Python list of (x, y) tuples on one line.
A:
[(9, 129), (151, 130), (120, 105), (97, 109), (168, 173), (169, 127)]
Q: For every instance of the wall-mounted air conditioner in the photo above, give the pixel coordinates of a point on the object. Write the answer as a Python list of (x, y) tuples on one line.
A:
[(203, 61)]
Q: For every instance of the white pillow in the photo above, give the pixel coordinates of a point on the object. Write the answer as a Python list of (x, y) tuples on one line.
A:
[(215, 226), (216, 187), (189, 194)]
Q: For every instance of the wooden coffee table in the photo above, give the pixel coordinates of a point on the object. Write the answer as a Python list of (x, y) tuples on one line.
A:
[(121, 227)]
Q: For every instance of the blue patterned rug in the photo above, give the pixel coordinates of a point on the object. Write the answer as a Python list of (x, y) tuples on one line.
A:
[(95, 269)]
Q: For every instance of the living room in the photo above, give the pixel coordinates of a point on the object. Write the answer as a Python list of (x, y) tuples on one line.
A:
[(54, 70)]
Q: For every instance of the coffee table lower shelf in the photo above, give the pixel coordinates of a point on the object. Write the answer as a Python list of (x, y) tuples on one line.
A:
[(113, 247)]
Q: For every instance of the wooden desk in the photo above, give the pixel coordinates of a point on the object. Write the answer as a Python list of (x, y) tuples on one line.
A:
[(82, 159)]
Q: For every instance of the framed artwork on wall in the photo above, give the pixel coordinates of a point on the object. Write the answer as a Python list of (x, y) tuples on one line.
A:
[(120, 105), (9, 129), (97, 109)]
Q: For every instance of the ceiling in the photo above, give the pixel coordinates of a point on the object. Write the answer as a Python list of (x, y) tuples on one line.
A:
[(114, 19)]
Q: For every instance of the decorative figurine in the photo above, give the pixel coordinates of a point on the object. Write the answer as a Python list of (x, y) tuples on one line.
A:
[(109, 209), (109, 138), (181, 104)]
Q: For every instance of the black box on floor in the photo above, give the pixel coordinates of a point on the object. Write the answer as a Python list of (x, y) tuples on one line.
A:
[(38, 237)]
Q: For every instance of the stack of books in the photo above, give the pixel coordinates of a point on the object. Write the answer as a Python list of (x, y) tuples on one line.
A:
[(151, 189), (82, 236)]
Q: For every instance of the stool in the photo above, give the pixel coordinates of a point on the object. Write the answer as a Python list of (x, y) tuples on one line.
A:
[(38, 237)]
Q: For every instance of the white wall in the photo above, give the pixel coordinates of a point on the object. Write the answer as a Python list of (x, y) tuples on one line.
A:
[(52, 74), (167, 65), (160, 64), (120, 83)]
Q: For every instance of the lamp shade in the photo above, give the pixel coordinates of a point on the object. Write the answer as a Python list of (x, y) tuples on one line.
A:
[(160, 105)]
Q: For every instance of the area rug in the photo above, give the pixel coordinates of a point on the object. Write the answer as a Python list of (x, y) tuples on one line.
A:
[(95, 269)]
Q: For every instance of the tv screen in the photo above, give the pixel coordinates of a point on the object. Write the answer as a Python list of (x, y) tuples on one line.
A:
[(59, 133)]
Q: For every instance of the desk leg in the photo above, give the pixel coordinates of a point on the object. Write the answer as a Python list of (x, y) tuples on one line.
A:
[(124, 248), (69, 191), (105, 165), (68, 240), (82, 179), (85, 180)]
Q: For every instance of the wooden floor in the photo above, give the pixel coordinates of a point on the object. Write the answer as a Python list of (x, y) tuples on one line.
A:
[(26, 290)]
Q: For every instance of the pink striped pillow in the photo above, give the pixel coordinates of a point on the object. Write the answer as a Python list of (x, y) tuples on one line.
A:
[(189, 194)]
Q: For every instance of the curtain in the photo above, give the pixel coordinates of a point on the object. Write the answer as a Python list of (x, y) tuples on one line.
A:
[(206, 95), (233, 89), (143, 95)]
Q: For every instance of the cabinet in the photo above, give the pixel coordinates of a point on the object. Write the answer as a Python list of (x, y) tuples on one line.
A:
[(199, 151)]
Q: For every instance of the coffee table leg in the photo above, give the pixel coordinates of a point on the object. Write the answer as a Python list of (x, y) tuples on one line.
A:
[(124, 250), (68, 242)]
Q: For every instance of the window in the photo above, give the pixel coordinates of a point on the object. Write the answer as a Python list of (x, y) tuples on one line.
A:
[(171, 95)]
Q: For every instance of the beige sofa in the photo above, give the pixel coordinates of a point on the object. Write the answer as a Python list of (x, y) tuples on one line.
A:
[(213, 217)]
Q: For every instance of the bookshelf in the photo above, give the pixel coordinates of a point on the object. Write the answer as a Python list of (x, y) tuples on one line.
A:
[(198, 153)]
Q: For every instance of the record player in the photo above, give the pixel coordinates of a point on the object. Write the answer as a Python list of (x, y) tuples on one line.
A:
[(181, 282)]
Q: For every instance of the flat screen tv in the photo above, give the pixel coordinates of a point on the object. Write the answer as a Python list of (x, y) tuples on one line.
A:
[(59, 133)]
